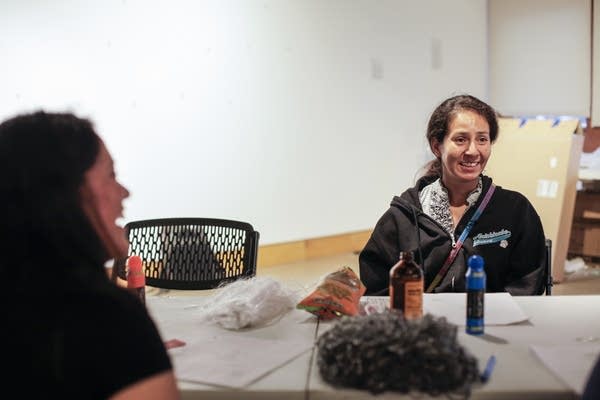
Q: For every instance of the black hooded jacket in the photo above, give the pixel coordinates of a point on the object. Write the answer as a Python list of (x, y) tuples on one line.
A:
[(508, 235)]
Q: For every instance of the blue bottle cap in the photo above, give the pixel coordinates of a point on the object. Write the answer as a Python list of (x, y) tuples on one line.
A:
[(475, 262)]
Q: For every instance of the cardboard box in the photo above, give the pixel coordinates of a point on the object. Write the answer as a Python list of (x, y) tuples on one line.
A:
[(540, 159)]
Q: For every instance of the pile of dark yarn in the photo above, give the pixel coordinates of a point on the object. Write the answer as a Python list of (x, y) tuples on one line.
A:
[(385, 352)]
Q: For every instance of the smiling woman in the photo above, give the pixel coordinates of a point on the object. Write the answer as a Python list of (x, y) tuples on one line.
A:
[(73, 333), (101, 199), (447, 215)]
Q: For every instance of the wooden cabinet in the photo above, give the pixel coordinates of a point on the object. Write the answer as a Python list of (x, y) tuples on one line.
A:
[(585, 230)]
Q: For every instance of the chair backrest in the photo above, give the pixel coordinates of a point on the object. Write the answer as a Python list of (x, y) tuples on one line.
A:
[(192, 253), (549, 279)]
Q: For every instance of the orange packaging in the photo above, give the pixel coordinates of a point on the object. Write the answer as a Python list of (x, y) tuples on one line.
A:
[(337, 294)]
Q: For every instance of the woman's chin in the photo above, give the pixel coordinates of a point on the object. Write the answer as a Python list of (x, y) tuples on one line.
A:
[(119, 246), (470, 174), (122, 250)]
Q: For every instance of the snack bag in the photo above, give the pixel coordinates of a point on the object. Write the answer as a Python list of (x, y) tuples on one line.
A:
[(337, 294)]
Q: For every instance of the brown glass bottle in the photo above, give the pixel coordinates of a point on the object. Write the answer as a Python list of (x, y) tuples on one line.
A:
[(406, 286)]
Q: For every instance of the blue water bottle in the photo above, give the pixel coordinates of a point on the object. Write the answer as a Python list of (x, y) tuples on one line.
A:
[(475, 278)]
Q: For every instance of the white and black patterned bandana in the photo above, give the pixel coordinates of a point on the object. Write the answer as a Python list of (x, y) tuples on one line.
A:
[(435, 203)]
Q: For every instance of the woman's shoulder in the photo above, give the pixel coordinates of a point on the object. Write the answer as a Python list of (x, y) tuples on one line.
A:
[(117, 309), (96, 306), (113, 300), (514, 203), (511, 195)]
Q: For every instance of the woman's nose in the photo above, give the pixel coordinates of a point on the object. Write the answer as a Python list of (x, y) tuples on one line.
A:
[(472, 147)]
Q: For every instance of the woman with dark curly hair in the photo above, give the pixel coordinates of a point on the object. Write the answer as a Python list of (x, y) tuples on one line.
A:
[(455, 211), (69, 332)]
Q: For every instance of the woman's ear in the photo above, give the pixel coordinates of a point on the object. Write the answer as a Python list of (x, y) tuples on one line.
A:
[(435, 145)]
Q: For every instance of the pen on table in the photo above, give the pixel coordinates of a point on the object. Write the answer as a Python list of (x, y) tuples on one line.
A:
[(489, 368)]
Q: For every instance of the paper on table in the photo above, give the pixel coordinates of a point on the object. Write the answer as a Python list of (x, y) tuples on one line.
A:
[(500, 308), (216, 356), (233, 360), (571, 363)]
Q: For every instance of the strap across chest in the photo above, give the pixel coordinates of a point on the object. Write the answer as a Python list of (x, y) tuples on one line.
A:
[(463, 236)]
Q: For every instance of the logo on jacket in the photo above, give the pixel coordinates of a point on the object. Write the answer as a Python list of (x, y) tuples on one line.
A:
[(492, 237)]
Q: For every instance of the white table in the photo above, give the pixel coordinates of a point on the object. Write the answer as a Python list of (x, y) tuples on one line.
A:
[(519, 374)]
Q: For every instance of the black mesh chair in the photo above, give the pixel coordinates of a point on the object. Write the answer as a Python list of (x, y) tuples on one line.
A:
[(191, 253)]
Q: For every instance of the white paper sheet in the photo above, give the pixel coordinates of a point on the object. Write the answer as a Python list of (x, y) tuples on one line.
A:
[(215, 356), (233, 360), (500, 308), (570, 363)]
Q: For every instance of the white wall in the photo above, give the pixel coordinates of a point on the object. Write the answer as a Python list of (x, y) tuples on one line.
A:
[(302, 117), (540, 56)]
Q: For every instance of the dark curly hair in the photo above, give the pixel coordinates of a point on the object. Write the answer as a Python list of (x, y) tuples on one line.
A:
[(442, 116), (385, 352), (44, 234)]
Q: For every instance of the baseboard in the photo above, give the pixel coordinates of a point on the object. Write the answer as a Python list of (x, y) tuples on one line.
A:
[(300, 250)]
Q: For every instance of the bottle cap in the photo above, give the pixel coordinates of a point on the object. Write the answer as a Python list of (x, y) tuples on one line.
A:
[(475, 262), (135, 272)]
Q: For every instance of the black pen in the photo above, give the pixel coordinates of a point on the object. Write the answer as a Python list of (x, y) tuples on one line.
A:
[(489, 368)]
